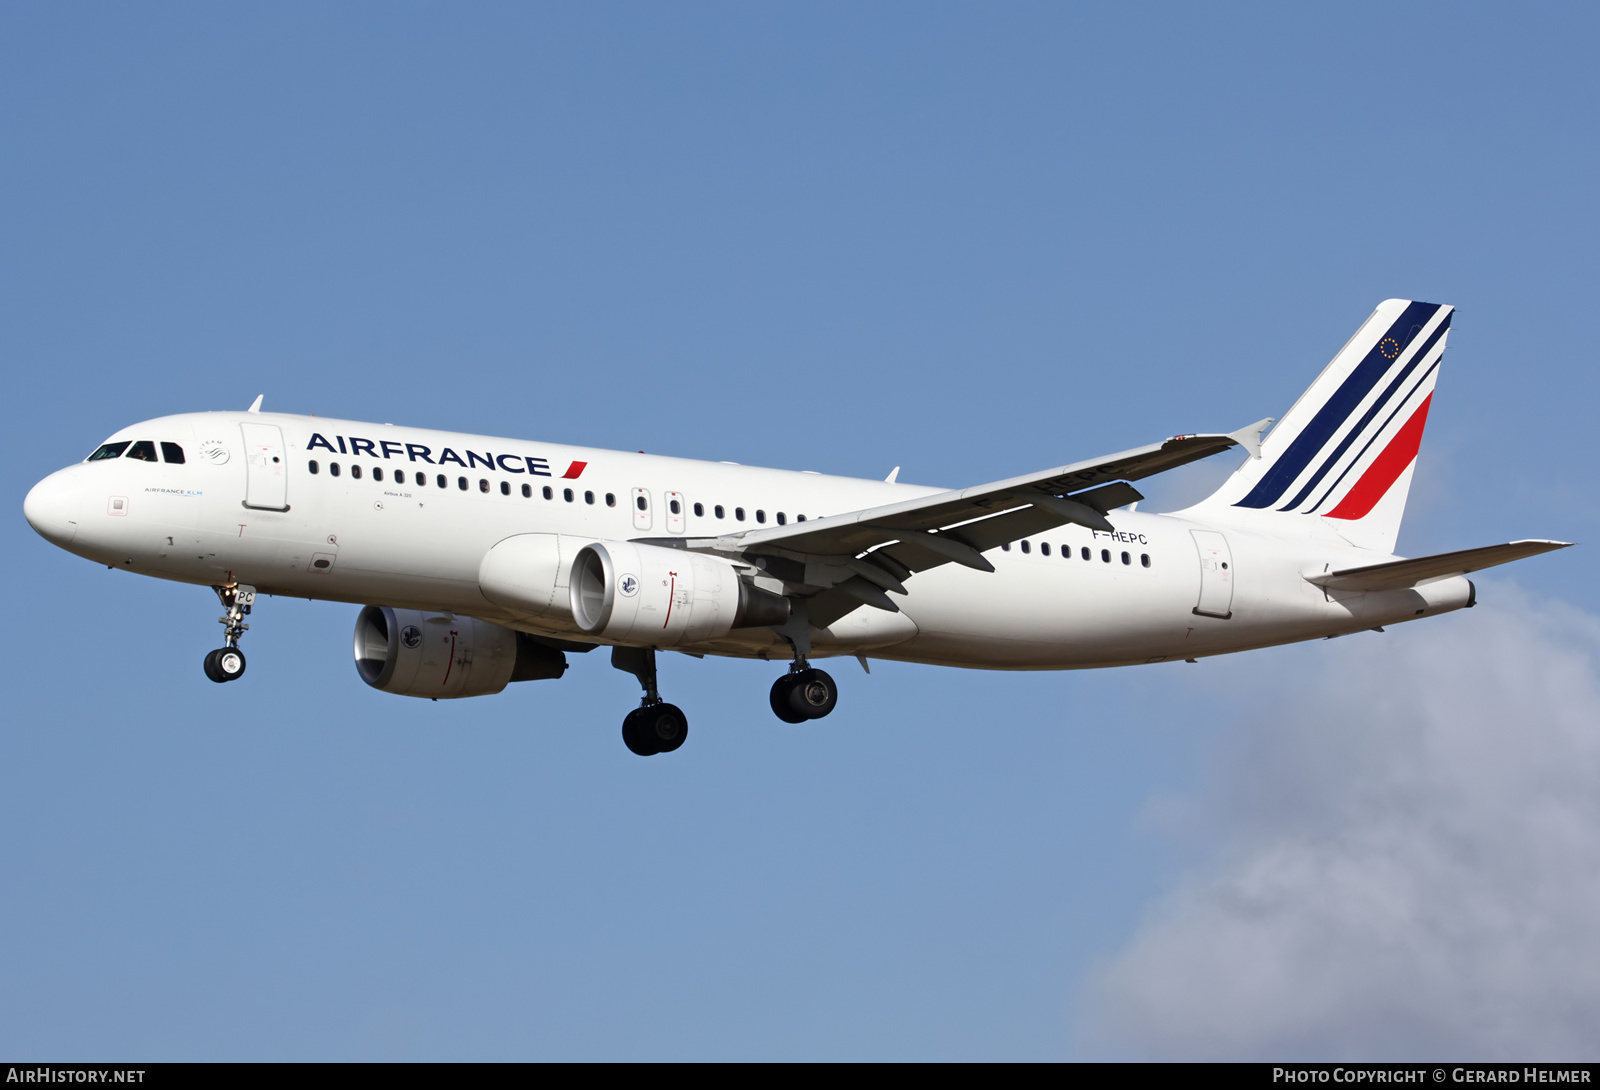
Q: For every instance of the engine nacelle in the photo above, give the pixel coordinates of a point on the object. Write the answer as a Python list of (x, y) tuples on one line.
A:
[(441, 656), (635, 593), (526, 575)]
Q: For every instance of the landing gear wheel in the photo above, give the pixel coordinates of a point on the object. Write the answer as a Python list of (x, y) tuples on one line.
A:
[(225, 664), (666, 725), (634, 737), (812, 694), (655, 728), (780, 700)]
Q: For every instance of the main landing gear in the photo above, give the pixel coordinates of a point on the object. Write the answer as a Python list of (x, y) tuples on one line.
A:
[(804, 692), (658, 727), (654, 726), (226, 663)]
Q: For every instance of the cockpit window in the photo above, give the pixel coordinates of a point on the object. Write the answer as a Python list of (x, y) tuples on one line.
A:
[(172, 452), (144, 450), (109, 450)]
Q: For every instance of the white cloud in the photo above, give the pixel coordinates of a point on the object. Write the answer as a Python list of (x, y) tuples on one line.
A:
[(1405, 863)]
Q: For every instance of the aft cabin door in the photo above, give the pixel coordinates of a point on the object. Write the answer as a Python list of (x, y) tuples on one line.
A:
[(266, 483), (1216, 575)]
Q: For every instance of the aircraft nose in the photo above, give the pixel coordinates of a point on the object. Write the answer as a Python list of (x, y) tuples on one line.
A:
[(51, 507)]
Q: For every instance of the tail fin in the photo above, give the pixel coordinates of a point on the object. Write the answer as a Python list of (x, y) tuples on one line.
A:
[(1345, 452)]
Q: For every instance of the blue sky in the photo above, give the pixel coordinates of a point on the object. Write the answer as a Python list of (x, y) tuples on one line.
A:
[(967, 240)]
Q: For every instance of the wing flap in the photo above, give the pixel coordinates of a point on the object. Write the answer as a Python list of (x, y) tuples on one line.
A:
[(1400, 574)]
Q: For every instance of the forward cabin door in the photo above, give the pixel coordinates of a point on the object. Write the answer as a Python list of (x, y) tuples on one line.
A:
[(266, 483), (1216, 575)]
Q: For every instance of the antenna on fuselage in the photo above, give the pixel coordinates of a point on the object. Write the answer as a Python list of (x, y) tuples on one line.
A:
[(255, 406)]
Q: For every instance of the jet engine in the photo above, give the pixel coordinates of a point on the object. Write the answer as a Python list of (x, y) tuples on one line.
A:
[(636, 593), (440, 655)]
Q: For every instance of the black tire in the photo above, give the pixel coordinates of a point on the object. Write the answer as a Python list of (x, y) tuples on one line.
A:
[(665, 725), (229, 663), (780, 700), (634, 736), (812, 694), (211, 667)]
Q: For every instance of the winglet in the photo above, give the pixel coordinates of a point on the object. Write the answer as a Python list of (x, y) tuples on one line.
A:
[(893, 473), (1249, 436), (255, 406)]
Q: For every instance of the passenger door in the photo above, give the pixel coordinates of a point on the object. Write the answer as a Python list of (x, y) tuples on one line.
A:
[(266, 483), (1216, 575)]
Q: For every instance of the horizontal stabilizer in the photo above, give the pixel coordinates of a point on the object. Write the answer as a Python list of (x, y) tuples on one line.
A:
[(1399, 574)]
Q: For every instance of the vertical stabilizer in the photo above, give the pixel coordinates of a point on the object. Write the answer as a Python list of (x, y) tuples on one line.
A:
[(1344, 453)]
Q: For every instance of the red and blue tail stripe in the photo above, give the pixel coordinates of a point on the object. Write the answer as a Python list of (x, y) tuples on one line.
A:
[(1316, 437), (1344, 451)]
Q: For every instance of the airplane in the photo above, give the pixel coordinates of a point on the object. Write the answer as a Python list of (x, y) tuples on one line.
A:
[(482, 561)]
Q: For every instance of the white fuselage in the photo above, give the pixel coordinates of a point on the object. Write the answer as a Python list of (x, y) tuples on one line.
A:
[(377, 539)]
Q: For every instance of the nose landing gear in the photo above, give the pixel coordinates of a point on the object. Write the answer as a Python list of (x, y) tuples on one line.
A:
[(226, 663), (654, 726)]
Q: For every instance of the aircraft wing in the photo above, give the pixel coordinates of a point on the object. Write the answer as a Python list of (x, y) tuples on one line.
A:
[(1399, 574), (852, 558)]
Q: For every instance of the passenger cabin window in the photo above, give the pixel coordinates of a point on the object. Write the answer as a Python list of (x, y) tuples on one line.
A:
[(377, 473), (355, 471), (109, 450), (588, 497), (333, 469), (312, 467), (549, 493), (611, 499), (1086, 552), (1027, 548), (782, 518), (1044, 548), (144, 450), (738, 513), (717, 510), (761, 516), (1144, 558), (505, 488), (566, 494), (483, 485), (699, 510), (527, 491), (173, 453), (461, 483), (441, 480)]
